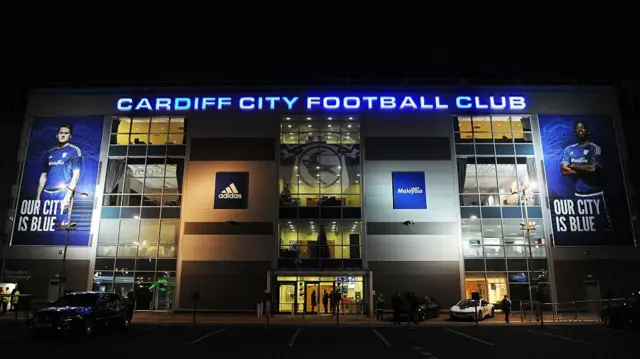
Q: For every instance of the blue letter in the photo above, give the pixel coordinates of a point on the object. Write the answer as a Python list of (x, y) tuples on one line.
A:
[(495, 106), (163, 103), (182, 104), (369, 100), (517, 103), (387, 102), (311, 101), (290, 102), (480, 106), (208, 101), (247, 103), (331, 103), (223, 101), (144, 103), (440, 106), (463, 102), (351, 102), (408, 102), (125, 104)]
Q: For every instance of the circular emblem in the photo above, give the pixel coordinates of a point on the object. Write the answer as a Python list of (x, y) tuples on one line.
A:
[(320, 165)]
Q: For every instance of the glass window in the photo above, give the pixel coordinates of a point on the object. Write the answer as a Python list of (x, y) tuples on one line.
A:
[(320, 163), (497, 128), (108, 231), (177, 130), (144, 130), (467, 181), (528, 173), (487, 175), (169, 231), (159, 130), (472, 238), (149, 231), (129, 231), (492, 231), (320, 239), (507, 180)]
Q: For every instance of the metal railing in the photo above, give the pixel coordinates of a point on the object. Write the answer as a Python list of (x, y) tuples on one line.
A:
[(15, 306), (569, 312)]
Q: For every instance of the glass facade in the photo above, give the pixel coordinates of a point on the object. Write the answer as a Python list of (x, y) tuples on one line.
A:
[(497, 181), (140, 226), (320, 192)]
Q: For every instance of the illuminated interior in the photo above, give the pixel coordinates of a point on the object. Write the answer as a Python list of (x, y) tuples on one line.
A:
[(320, 162), (148, 130), (492, 288), (493, 127), (295, 293), (299, 239)]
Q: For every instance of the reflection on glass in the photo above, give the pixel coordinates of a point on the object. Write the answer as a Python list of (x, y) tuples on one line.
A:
[(147, 130), (320, 164), (498, 128), (320, 239)]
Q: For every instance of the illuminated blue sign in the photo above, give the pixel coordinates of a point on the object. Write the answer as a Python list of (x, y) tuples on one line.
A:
[(324, 103), (409, 190)]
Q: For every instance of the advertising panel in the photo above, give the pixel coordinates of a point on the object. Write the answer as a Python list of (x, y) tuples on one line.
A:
[(62, 159), (587, 196), (231, 190), (409, 190)]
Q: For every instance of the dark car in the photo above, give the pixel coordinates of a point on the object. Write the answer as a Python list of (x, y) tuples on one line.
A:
[(429, 308), (83, 313), (623, 313)]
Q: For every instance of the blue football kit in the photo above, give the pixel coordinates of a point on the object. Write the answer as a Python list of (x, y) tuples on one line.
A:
[(59, 164), (589, 185)]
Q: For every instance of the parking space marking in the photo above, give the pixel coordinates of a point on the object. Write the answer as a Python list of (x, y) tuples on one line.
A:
[(207, 336), (469, 337), (145, 329), (384, 340), (293, 338), (557, 336)]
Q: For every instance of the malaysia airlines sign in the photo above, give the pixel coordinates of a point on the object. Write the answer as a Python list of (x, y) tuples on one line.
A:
[(391, 103)]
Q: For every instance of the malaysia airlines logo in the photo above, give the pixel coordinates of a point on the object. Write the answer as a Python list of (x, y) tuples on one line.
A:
[(231, 192), (412, 190)]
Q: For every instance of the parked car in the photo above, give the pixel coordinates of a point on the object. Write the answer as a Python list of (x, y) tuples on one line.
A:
[(469, 309), (623, 313), (83, 313), (429, 308)]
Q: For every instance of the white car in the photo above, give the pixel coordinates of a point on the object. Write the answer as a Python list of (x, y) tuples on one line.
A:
[(468, 308)]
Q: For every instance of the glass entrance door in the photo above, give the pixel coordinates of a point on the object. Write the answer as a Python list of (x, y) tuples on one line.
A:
[(312, 297), (286, 296)]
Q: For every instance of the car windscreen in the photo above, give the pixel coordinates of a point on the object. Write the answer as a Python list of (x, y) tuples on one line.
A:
[(77, 300), (467, 303)]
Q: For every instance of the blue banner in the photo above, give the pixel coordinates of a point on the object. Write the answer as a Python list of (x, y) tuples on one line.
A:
[(409, 190), (231, 190), (62, 160), (587, 196)]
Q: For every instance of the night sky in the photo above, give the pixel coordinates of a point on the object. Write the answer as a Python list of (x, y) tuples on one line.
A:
[(283, 54)]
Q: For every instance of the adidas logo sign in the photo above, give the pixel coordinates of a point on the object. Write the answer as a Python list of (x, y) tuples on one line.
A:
[(231, 192)]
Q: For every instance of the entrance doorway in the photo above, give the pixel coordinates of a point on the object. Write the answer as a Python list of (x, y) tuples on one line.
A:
[(294, 294), (491, 288), (319, 288)]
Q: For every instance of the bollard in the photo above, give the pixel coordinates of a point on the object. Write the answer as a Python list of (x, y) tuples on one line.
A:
[(259, 310), (476, 308), (195, 297)]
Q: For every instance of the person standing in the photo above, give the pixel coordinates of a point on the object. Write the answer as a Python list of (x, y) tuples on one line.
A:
[(506, 308), (396, 302), (325, 302), (314, 301), (379, 306)]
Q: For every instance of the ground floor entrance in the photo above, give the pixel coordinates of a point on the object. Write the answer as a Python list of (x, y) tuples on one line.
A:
[(321, 295), (491, 287)]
